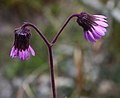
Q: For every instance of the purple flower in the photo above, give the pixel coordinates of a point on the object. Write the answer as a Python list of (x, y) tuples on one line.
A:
[(21, 47), (94, 26)]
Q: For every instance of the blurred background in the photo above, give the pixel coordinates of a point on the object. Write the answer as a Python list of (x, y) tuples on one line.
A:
[(82, 69)]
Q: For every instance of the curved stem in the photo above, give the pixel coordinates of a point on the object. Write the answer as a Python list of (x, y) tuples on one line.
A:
[(49, 45), (60, 31), (38, 31), (52, 72)]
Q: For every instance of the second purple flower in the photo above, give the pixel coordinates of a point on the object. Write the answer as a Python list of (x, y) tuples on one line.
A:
[(94, 26)]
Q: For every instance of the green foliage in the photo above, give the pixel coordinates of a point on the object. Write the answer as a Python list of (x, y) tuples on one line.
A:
[(20, 68), (52, 14)]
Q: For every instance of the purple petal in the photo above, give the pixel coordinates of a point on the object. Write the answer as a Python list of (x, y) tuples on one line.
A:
[(96, 36), (86, 35), (102, 28), (101, 23), (101, 19), (31, 51), (12, 50), (15, 53), (90, 40), (20, 55), (23, 53), (91, 37), (27, 54), (100, 16), (99, 30)]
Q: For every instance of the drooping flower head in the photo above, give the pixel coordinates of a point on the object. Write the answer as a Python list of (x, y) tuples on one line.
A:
[(94, 26), (21, 47)]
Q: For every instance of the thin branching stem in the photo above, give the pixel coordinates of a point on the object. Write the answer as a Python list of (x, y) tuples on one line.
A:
[(49, 45), (62, 28), (26, 24), (52, 71)]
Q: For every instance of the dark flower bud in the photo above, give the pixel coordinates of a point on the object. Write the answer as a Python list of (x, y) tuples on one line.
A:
[(21, 46)]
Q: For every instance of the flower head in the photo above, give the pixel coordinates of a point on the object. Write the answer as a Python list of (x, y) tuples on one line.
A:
[(94, 26), (21, 47)]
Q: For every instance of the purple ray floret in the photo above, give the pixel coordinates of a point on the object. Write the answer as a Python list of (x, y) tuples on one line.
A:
[(21, 47), (94, 26)]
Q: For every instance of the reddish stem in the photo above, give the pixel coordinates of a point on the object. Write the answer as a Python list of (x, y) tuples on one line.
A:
[(52, 72), (63, 27), (38, 31), (49, 45)]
